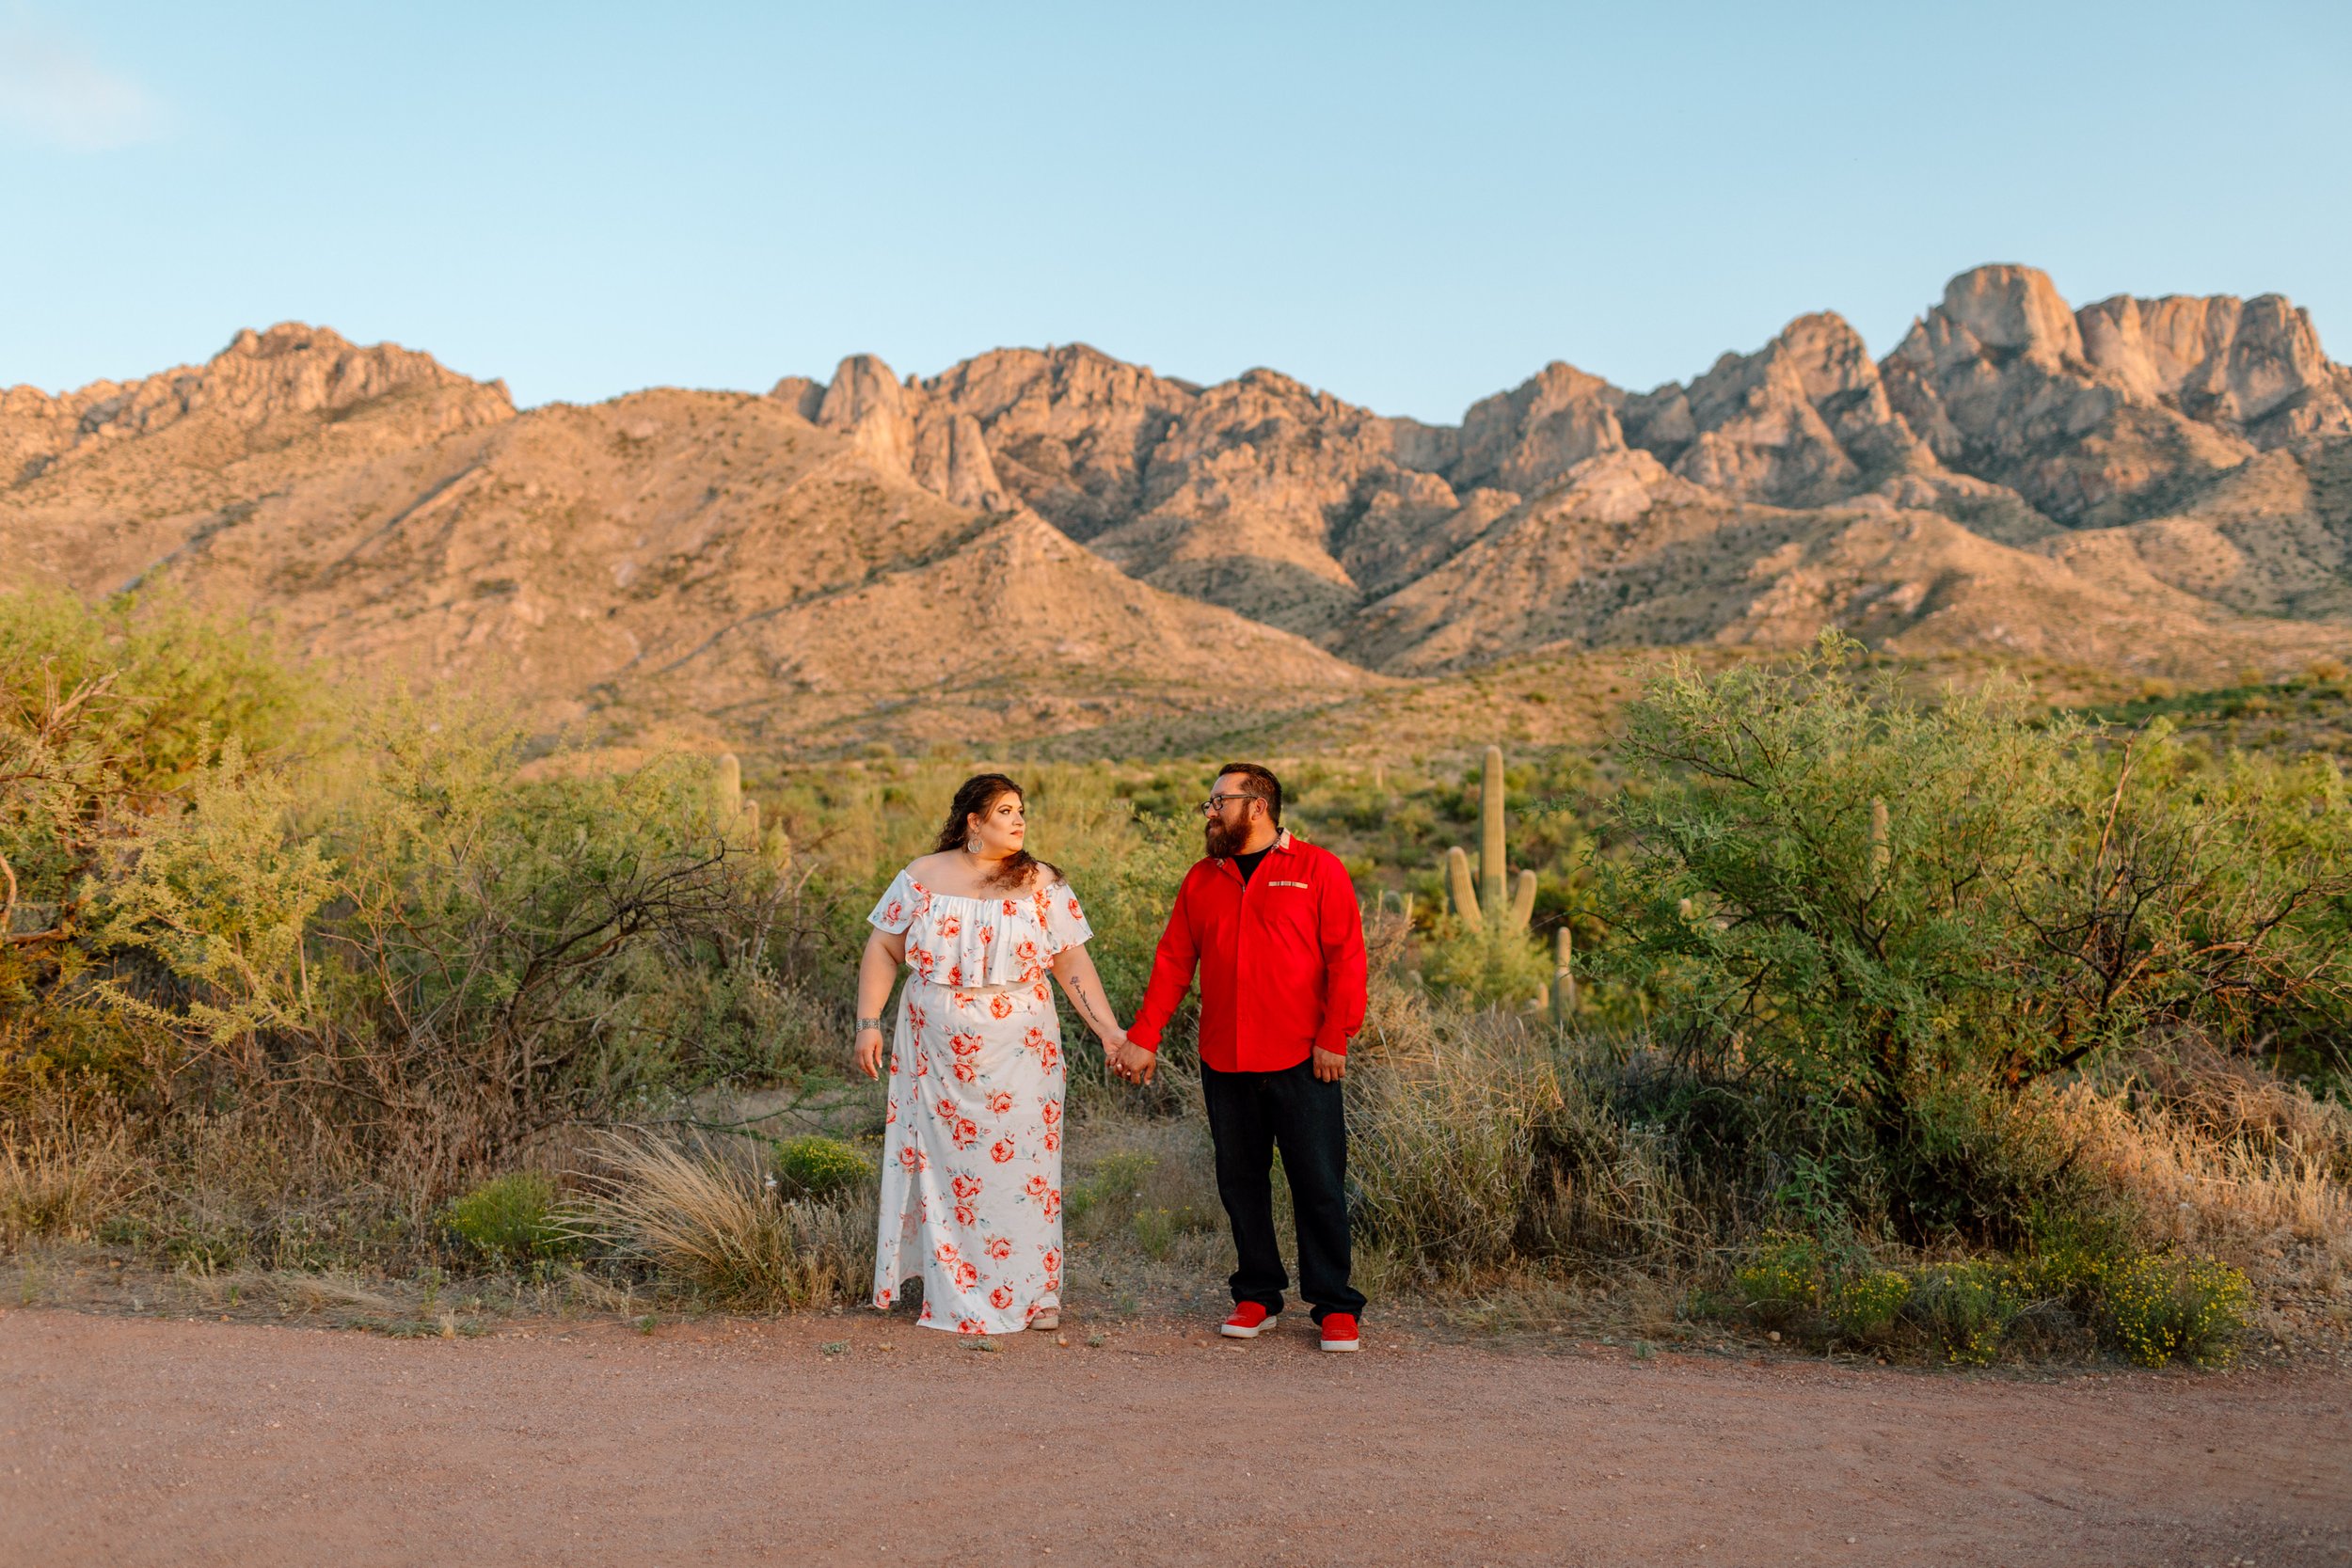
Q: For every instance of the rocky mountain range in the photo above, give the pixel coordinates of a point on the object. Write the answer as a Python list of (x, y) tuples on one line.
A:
[(1055, 540)]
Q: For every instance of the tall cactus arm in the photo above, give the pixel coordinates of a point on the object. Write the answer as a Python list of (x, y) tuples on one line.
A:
[(1490, 835), (1523, 901), (1458, 881)]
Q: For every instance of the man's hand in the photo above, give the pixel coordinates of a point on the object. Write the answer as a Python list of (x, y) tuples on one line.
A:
[(1330, 1066), (1135, 1063)]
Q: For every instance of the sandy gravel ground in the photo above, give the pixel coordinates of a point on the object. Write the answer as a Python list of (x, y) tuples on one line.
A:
[(860, 1440)]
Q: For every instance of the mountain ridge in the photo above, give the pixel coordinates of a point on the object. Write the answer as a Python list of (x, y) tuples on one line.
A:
[(2160, 484)]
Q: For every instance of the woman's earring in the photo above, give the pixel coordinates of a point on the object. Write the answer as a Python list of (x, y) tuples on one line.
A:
[(972, 844)]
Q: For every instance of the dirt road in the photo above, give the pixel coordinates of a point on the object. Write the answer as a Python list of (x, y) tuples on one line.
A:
[(854, 1440)]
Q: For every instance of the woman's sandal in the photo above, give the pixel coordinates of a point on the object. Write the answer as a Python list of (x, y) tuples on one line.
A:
[(1049, 1319)]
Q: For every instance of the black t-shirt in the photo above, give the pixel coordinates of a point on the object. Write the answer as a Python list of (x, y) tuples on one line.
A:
[(1250, 863)]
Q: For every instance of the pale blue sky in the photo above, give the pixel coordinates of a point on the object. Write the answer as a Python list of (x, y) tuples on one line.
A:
[(1409, 206)]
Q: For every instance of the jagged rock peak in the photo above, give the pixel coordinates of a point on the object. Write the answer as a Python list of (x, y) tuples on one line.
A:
[(1530, 436), (867, 401), (2010, 308), (2254, 366)]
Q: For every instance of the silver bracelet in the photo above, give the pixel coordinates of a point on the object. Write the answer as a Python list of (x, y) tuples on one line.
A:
[(866, 1023)]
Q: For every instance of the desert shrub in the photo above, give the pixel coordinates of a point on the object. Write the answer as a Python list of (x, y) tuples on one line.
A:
[(1111, 1191), (813, 1166), (1484, 967), (1965, 1310), (418, 947), (2154, 1308), (1897, 917), (511, 1219), (1782, 1280), (1864, 1303), (703, 1220)]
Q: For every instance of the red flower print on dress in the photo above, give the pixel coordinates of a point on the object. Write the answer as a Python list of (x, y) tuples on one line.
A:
[(966, 1275), (1075, 913), (966, 1185), (1034, 1039), (1011, 908), (970, 1326), (999, 1103), (1001, 1152), (915, 1019), (988, 934), (1000, 1297), (890, 1112), (912, 1158), (1000, 1006), (965, 1132), (921, 960), (964, 1044), (1053, 1204), (1049, 1111), (947, 926), (893, 912), (924, 1316), (967, 1215), (966, 1072), (944, 1252), (997, 1248), (1049, 1055), (882, 1298), (946, 1108), (1052, 1259), (1037, 1186), (1039, 992), (1053, 1141), (955, 974)]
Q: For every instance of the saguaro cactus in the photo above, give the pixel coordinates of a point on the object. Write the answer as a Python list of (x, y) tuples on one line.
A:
[(1483, 903), (1490, 791), (1882, 850), (1563, 975)]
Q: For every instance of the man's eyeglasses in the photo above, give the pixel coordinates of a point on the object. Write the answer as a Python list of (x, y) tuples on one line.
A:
[(1215, 804)]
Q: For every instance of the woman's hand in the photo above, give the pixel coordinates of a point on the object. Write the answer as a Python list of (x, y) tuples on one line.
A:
[(869, 1052)]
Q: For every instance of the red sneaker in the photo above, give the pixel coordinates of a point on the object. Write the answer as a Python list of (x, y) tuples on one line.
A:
[(1248, 1320), (1338, 1331)]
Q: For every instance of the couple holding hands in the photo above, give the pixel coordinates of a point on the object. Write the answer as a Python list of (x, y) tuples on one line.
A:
[(971, 1186)]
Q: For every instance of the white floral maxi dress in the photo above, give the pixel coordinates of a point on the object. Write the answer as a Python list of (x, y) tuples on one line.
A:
[(971, 1182)]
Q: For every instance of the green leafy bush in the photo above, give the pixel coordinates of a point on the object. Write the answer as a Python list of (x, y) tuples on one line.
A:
[(2154, 1308), (1878, 920), (815, 1165), (510, 1219)]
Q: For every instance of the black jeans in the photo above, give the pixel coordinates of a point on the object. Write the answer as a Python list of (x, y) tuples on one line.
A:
[(1250, 1114)]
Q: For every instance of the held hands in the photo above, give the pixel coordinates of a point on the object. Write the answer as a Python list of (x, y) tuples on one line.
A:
[(868, 1051), (1135, 1063)]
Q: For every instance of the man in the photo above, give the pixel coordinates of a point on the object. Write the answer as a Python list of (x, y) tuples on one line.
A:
[(1272, 924)]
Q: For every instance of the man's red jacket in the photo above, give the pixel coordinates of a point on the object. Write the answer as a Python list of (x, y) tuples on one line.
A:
[(1281, 960)]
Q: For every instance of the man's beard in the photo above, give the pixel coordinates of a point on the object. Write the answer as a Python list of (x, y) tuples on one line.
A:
[(1224, 842)]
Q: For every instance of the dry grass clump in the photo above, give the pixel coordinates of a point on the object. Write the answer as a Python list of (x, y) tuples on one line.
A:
[(705, 1218), (2218, 1155), (1478, 1140), (66, 1180)]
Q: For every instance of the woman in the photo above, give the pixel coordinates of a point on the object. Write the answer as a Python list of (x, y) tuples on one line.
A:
[(971, 1191)]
